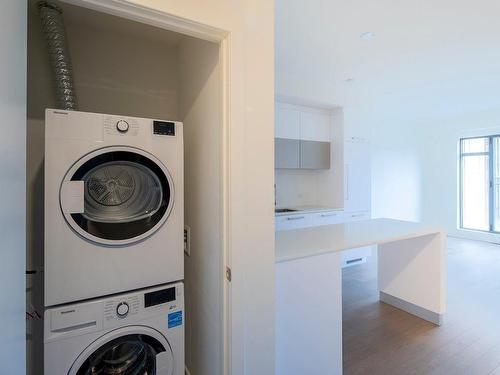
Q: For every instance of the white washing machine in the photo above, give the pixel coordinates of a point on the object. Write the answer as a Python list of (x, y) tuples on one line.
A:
[(114, 212), (132, 333)]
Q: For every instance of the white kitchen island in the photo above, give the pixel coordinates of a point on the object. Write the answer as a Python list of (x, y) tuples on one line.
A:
[(411, 277)]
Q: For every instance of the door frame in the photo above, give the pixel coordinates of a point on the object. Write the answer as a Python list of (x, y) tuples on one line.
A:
[(221, 37)]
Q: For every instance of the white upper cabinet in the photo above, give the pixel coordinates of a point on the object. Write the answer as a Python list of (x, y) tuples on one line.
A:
[(314, 126), (287, 124), (302, 123), (302, 137)]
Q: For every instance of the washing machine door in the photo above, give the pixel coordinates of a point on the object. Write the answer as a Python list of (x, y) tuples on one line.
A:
[(125, 352), (117, 195)]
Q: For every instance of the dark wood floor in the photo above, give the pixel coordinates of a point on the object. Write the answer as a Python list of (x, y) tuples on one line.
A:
[(380, 339)]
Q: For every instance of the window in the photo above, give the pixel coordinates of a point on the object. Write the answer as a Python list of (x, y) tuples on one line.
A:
[(480, 183)]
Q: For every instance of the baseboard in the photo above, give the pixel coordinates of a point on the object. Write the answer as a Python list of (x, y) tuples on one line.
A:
[(475, 235), (411, 308)]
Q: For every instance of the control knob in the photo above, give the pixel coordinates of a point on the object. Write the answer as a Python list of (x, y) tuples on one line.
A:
[(122, 126), (122, 309)]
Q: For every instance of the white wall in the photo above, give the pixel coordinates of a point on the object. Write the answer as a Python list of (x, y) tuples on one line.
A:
[(296, 188), (124, 74), (115, 70), (440, 166), (415, 168), (199, 99), (415, 164), (12, 200), (396, 168)]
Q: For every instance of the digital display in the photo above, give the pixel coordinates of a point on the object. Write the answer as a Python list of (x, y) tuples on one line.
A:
[(163, 128), (158, 297)]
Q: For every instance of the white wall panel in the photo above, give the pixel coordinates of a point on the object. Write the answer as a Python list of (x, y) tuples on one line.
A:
[(13, 183)]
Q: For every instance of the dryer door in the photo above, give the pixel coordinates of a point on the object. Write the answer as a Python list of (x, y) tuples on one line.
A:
[(117, 195), (127, 354)]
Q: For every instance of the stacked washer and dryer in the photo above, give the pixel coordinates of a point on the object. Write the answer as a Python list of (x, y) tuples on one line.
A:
[(114, 221)]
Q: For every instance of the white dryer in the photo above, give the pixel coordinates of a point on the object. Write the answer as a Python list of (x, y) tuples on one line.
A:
[(114, 212), (132, 333)]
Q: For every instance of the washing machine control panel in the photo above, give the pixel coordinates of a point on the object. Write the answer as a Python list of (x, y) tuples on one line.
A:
[(159, 297), (122, 126), (121, 308), (163, 305)]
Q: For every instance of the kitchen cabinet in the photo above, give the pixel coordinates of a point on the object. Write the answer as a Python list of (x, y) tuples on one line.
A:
[(356, 216), (310, 129), (314, 126), (314, 155), (306, 219), (326, 218), (295, 221), (299, 154), (357, 175), (287, 123), (360, 254), (286, 153)]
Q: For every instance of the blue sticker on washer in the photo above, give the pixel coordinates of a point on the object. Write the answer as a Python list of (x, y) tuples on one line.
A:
[(174, 319)]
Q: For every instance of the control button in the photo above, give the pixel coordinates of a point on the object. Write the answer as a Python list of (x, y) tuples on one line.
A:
[(122, 126), (122, 309)]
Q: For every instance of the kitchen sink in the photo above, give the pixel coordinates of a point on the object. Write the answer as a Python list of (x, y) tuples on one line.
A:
[(281, 210)]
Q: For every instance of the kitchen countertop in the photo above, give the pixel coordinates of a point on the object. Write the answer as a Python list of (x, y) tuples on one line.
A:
[(411, 276), (306, 209), (306, 242)]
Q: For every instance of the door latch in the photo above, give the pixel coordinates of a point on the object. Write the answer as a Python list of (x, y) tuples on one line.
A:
[(228, 274)]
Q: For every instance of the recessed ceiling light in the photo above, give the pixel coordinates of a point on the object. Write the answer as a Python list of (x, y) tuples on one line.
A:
[(367, 35)]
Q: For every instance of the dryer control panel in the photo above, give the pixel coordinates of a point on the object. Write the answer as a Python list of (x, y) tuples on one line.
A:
[(163, 127), (114, 125)]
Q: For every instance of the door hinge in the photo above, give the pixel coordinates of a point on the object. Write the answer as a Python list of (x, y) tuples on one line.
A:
[(228, 274)]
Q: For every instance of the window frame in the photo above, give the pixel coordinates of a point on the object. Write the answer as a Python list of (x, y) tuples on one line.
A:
[(491, 203)]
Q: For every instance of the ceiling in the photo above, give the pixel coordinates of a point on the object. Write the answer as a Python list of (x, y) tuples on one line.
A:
[(428, 57)]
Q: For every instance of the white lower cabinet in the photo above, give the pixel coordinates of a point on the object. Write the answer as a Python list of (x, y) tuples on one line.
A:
[(355, 256), (356, 216), (296, 221), (358, 255), (316, 219), (308, 219), (326, 218)]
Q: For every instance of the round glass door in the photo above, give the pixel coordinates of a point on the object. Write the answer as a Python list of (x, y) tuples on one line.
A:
[(127, 195), (134, 354)]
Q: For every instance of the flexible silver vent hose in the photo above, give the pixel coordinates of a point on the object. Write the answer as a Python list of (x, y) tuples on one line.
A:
[(55, 35)]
